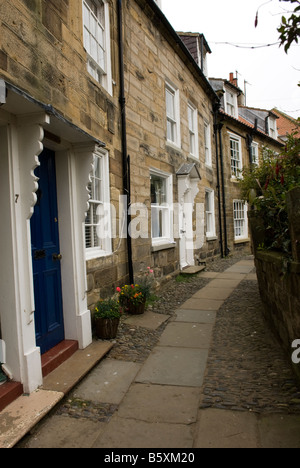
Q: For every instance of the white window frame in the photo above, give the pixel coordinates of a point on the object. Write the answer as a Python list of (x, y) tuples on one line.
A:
[(231, 104), (236, 157), (173, 115), (166, 210), (102, 204), (99, 69), (240, 220), (193, 131), (255, 153), (272, 124), (210, 216), (207, 144)]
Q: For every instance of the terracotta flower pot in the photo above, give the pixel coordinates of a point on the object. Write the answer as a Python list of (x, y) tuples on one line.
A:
[(106, 329)]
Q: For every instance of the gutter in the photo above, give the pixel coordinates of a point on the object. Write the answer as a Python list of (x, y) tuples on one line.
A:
[(227, 250), (125, 157), (216, 113)]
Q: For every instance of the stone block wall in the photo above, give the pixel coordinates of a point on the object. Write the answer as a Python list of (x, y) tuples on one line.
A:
[(279, 278), (280, 293)]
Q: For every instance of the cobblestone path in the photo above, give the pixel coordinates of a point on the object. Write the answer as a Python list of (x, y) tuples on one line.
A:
[(247, 369)]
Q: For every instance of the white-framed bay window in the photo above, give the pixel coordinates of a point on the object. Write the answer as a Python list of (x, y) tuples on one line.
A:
[(210, 213), (161, 207), (240, 216), (193, 130), (96, 39), (98, 226), (173, 115), (236, 155)]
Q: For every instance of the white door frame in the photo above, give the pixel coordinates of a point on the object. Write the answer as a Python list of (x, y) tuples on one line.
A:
[(187, 191)]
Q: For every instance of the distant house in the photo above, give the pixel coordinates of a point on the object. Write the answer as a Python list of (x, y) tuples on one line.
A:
[(286, 125), (244, 133)]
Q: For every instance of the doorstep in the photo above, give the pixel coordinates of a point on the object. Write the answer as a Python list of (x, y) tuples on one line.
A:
[(9, 392), (26, 411), (193, 270), (58, 355)]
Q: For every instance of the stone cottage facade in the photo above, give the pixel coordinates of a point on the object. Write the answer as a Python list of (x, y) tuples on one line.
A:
[(110, 140), (169, 108), (91, 92), (58, 122)]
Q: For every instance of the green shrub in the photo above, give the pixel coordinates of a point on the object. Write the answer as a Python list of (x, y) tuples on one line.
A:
[(265, 188)]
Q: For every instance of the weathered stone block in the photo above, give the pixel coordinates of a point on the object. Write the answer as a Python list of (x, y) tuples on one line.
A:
[(293, 207)]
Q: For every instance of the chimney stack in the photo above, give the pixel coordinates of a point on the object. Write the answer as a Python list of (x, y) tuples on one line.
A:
[(233, 80)]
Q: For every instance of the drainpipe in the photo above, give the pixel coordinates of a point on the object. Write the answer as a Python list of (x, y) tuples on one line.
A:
[(125, 157), (249, 145), (227, 251), (216, 110)]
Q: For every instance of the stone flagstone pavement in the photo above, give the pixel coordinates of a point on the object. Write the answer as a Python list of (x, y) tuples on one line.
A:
[(171, 401)]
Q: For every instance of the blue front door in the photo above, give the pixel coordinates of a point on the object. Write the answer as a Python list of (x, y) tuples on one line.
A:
[(46, 258)]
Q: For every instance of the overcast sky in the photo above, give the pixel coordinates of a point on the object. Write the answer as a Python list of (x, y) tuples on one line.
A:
[(272, 75)]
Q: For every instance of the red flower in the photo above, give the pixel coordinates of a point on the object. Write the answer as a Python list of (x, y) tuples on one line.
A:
[(267, 184)]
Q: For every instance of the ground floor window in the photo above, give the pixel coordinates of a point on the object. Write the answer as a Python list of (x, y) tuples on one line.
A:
[(98, 220), (210, 213), (240, 210), (161, 204)]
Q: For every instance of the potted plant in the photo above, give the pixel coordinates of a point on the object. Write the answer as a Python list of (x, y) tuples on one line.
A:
[(107, 316), (132, 299)]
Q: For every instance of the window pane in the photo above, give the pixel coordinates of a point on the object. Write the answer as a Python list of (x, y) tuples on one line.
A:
[(235, 156), (160, 208), (158, 190), (170, 100), (239, 220), (94, 37)]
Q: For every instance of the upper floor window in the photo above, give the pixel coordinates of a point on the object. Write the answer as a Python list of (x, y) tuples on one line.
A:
[(231, 103), (207, 143), (272, 127), (173, 115), (96, 37), (236, 155), (254, 154), (193, 130)]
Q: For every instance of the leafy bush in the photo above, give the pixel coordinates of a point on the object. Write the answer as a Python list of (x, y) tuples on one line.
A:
[(109, 309), (265, 188)]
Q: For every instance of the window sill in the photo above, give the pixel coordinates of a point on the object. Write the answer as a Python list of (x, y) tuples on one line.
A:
[(174, 146), (242, 241), (234, 180), (211, 238), (163, 246), (95, 255)]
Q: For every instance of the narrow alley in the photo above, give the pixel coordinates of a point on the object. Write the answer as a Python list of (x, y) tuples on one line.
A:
[(215, 378)]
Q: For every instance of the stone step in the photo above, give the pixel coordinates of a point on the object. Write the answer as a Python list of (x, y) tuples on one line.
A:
[(193, 270), (58, 355), (9, 392)]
